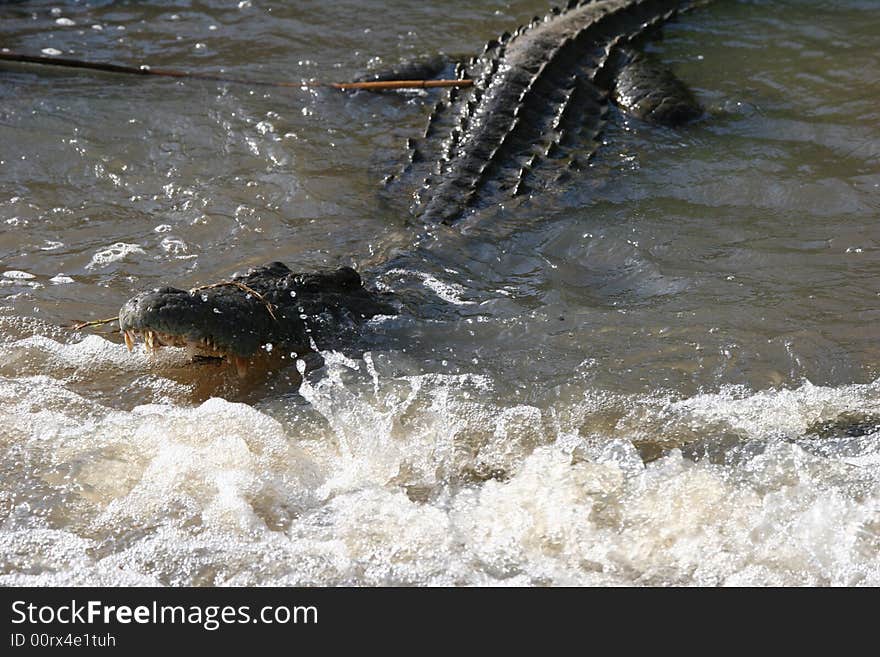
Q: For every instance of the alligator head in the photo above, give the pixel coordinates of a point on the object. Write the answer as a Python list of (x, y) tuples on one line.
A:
[(270, 308)]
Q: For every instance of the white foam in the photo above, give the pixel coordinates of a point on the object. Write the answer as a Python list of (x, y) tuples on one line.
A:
[(449, 292), (113, 253), (18, 275), (784, 411), (429, 479), (92, 354), (61, 279)]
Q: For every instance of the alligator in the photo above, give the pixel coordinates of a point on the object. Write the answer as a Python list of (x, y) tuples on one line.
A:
[(269, 309), (541, 94), (533, 114)]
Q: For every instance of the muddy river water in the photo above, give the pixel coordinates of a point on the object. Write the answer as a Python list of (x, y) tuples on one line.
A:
[(625, 380)]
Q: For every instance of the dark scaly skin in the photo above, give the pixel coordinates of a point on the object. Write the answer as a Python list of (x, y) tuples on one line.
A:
[(531, 93), (271, 305), (419, 69), (647, 89), (537, 95)]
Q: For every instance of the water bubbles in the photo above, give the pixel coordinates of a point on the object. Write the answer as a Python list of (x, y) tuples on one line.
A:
[(18, 275), (51, 52), (447, 291), (174, 246), (65, 22), (113, 253), (537, 482), (51, 245), (61, 279)]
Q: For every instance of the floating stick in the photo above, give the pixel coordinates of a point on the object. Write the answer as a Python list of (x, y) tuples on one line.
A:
[(97, 322), (372, 85), (383, 85)]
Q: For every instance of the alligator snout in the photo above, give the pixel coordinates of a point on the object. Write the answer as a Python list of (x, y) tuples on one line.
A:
[(267, 308)]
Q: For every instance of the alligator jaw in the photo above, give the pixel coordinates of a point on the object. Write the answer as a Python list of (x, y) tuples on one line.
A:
[(169, 317), (269, 311), (203, 347)]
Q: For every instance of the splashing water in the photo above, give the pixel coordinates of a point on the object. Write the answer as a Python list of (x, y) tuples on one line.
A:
[(664, 372)]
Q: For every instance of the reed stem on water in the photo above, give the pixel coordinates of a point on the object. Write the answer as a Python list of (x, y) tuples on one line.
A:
[(372, 85)]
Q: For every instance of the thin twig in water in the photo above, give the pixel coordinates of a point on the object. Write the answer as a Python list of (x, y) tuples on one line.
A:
[(385, 85), (372, 85), (96, 322)]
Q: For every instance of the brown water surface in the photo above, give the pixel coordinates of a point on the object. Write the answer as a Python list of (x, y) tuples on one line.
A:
[(612, 382)]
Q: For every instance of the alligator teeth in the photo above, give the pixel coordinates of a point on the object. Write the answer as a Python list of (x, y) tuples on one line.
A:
[(241, 366), (149, 341), (129, 340)]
